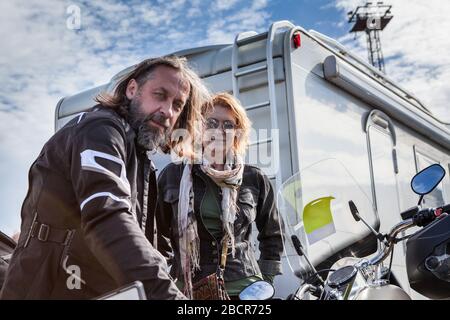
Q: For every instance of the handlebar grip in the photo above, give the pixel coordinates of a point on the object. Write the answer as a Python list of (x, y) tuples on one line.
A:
[(424, 217), (409, 213), (446, 208)]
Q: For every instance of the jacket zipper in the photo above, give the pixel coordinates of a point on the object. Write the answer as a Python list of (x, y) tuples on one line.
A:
[(145, 194)]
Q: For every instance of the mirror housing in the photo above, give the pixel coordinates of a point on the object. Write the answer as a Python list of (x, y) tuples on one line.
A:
[(426, 180)]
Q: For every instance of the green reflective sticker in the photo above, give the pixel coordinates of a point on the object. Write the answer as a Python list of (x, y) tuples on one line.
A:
[(318, 219)]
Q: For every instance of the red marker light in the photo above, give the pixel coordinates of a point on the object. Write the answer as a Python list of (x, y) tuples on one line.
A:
[(297, 40)]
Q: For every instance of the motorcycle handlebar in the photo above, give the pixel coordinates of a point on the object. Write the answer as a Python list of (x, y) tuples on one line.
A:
[(421, 219)]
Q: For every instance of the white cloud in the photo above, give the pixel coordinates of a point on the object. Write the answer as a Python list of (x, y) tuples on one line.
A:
[(259, 4), (224, 4), (252, 17), (415, 46), (156, 17)]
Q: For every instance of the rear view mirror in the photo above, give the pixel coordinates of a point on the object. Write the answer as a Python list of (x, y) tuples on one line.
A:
[(259, 290), (426, 180)]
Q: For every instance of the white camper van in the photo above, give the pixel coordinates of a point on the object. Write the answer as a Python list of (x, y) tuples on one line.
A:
[(324, 102)]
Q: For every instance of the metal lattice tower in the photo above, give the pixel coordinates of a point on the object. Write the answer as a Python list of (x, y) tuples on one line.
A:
[(372, 19)]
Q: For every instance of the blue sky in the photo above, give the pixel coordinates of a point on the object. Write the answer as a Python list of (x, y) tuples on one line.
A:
[(42, 60)]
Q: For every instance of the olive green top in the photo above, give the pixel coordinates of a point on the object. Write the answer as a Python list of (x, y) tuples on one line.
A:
[(210, 211)]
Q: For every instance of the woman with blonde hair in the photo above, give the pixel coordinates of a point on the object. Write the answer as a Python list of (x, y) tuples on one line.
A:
[(208, 208)]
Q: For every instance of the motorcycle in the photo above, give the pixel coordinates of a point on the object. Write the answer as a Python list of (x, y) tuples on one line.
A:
[(329, 215)]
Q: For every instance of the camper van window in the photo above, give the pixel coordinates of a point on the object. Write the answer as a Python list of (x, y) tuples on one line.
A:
[(436, 197)]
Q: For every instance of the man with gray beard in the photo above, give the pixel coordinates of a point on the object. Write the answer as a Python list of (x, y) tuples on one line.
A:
[(92, 191), (148, 136)]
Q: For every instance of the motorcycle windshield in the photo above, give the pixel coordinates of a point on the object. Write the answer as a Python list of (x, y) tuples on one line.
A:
[(317, 212)]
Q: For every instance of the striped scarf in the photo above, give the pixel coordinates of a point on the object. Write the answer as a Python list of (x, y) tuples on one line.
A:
[(229, 181)]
